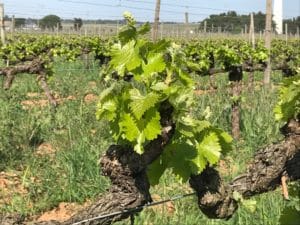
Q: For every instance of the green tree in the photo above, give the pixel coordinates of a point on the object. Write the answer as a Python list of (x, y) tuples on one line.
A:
[(50, 22), (77, 23), (293, 24), (233, 22), (20, 22)]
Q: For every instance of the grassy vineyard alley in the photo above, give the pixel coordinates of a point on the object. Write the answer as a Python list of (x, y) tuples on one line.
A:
[(51, 157)]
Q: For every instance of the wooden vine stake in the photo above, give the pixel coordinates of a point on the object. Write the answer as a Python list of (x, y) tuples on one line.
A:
[(286, 33), (13, 24), (186, 15), (252, 40), (267, 74), (156, 21), (2, 26)]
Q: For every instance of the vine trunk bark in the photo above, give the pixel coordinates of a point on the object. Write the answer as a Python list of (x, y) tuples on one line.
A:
[(36, 66), (215, 198), (130, 187), (235, 77)]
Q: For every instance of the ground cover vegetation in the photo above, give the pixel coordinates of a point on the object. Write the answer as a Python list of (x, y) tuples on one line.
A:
[(173, 93)]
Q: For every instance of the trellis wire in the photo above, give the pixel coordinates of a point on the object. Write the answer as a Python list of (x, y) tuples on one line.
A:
[(135, 209)]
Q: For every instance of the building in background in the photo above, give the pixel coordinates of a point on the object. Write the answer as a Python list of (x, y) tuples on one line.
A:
[(7, 24), (277, 12)]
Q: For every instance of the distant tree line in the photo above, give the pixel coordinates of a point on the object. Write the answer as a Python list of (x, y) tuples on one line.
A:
[(293, 24), (235, 23), (50, 22), (77, 23), (225, 22)]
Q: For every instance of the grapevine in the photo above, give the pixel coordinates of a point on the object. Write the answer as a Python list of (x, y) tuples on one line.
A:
[(134, 107)]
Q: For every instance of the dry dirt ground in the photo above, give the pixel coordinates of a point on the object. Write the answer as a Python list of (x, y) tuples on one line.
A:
[(12, 185), (39, 100), (62, 212)]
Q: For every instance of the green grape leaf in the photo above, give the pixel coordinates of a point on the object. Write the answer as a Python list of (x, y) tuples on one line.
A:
[(288, 105), (185, 130), (193, 66), (140, 104), (183, 99), (149, 129), (179, 156), (125, 57), (144, 29), (186, 78), (129, 127), (139, 145), (156, 170), (127, 33), (111, 91), (209, 148), (155, 64), (197, 125), (138, 132), (159, 86), (153, 126), (198, 164), (225, 140), (107, 110)]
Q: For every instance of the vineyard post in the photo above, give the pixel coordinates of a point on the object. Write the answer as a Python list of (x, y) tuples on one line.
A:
[(286, 33), (2, 27), (118, 27), (186, 14), (174, 32), (245, 31), (297, 32), (161, 30), (260, 35), (252, 40), (156, 21), (205, 26), (268, 31), (13, 21), (57, 29), (252, 30)]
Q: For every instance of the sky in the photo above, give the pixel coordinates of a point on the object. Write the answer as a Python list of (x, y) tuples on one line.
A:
[(143, 10)]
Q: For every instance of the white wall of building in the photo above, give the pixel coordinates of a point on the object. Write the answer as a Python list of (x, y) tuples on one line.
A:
[(277, 15)]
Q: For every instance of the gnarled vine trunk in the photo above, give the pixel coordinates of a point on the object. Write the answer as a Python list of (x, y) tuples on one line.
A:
[(130, 186), (36, 66), (215, 198), (236, 76)]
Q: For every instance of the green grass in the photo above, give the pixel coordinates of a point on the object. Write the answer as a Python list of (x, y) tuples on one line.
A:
[(72, 173)]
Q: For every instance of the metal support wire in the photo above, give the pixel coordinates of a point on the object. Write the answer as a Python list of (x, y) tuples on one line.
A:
[(135, 209)]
